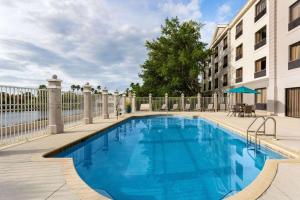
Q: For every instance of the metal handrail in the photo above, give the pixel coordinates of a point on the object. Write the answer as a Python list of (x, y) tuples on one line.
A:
[(264, 124), (248, 129)]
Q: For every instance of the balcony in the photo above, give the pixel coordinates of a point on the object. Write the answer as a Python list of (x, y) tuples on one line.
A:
[(259, 15), (238, 34), (261, 73), (238, 57), (260, 44), (294, 64), (294, 24), (239, 80)]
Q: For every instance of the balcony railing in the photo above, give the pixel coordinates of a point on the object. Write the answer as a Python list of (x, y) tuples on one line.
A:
[(259, 74), (259, 15), (239, 80), (294, 24), (238, 57), (238, 34), (260, 44), (294, 64)]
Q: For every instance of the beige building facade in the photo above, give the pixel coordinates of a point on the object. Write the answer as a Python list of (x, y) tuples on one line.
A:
[(263, 54)]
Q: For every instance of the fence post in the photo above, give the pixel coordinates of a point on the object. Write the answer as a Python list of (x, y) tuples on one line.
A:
[(105, 103), (124, 104), (87, 104), (215, 102), (116, 102), (150, 102), (55, 106), (199, 101), (182, 101), (166, 101), (133, 109)]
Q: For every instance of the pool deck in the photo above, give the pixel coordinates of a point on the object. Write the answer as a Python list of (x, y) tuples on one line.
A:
[(25, 174)]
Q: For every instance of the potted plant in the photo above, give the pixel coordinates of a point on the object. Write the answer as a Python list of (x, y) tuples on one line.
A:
[(128, 107)]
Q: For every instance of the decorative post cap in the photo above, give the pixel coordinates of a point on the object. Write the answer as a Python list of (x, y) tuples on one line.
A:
[(182, 94), (105, 91), (124, 95), (166, 94), (54, 76), (87, 87)]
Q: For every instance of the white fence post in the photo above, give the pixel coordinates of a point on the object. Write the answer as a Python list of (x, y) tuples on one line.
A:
[(55, 106), (116, 102), (133, 108), (150, 102), (105, 103), (215, 102), (87, 104), (199, 101), (166, 101), (124, 104), (182, 101)]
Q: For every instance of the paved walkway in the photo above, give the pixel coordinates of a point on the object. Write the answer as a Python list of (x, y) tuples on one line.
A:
[(24, 175)]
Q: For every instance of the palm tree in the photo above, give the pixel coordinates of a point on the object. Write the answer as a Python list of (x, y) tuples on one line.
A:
[(99, 87), (42, 87), (73, 87)]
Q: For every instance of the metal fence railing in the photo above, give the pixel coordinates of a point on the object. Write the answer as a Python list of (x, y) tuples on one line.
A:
[(174, 103), (139, 101), (97, 105), (157, 103), (72, 108), (23, 113)]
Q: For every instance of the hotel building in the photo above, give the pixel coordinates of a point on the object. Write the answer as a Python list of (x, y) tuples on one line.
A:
[(259, 49)]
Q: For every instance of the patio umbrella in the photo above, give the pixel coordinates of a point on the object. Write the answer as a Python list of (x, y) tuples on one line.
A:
[(242, 90)]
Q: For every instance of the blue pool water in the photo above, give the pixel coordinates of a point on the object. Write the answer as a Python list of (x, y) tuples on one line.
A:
[(167, 157)]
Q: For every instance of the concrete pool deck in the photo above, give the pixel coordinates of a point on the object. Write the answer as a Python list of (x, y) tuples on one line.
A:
[(25, 174)]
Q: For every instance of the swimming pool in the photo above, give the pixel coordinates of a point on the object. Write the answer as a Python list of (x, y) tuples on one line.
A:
[(167, 157)]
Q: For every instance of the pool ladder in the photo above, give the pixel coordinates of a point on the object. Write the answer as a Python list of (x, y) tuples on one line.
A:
[(259, 132)]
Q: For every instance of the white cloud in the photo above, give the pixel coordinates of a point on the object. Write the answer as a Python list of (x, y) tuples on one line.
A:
[(99, 41), (183, 11)]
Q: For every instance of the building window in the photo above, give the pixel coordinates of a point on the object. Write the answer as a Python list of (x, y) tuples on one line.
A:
[(225, 61), (294, 15), (204, 87), (225, 80), (216, 67), (260, 67), (260, 38), (260, 9), (209, 72), (239, 52), (261, 99), (294, 61), (239, 75), (216, 52), (225, 43), (216, 83), (239, 30), (239, 98), (209, 85)]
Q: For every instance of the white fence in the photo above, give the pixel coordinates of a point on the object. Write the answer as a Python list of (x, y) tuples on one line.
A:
[(23, 113)]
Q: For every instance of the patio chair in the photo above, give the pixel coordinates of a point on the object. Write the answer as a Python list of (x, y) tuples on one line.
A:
[(164, 107), (175, 107), (187, 107), (248, 111), (145, 107), (197, 108), (210, 107)]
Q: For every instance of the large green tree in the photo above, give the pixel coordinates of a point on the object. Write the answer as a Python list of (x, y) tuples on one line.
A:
[(175, 60)]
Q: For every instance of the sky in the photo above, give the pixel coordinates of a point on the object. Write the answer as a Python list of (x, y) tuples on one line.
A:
[(95, 41)]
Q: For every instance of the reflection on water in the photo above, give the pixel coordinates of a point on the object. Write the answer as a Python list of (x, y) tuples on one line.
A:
[(167, 158)]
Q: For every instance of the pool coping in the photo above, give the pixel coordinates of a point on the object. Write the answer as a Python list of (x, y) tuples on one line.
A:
[(253, 191)]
